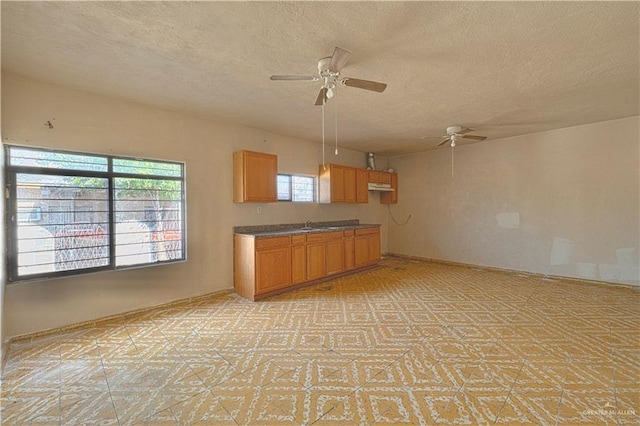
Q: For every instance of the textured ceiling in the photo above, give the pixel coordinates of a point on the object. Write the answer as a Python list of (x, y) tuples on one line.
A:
[(503, 68)]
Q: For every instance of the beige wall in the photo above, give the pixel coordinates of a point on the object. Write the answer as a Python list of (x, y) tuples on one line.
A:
[(91, 123), (2, 255), (562, 202)]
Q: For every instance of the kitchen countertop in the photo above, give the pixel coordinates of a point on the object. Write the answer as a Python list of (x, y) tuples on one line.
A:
[(262, 231)]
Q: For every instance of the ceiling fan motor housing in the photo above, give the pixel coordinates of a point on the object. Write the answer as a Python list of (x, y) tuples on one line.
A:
[(452, 130), (323, 65)]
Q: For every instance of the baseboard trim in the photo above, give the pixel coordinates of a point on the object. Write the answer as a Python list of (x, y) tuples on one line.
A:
[(3, 356), (111, 318), (515, 271)]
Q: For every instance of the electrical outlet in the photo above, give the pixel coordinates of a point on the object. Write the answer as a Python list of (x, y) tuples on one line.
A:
[(258, 209)]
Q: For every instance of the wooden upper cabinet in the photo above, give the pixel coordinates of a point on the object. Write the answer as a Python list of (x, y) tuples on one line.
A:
[(337, 184), (362, 186), (255, 177), (379, 177), (349, 185), (392, 196)]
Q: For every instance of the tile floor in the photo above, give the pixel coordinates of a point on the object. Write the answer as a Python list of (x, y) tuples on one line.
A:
[(409, 342)]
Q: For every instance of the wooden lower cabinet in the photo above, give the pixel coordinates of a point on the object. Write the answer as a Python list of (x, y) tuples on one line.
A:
[(316, 261), (273, 269), (266, 266), (298, 264), (367, 246), (335, 256), (349, 250), (361, 251)]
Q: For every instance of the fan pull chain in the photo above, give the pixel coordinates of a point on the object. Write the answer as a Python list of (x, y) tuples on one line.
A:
[(336, 120), (452, 173), (324, 167)]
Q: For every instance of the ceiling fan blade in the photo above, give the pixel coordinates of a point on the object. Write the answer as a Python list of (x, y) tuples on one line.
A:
[(294, 77), (338, 59), (365, 84), (444, 141), (322, 97), (465, 130), (478, 138)]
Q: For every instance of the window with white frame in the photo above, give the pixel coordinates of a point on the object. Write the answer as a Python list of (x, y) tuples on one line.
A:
[(296, 188), (71, 213)]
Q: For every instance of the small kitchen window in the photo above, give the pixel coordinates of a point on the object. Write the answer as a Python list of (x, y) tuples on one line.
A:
[(296, 188)]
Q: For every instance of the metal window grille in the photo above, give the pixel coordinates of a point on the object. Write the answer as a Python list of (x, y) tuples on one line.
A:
[(72, 213), (296, 188)]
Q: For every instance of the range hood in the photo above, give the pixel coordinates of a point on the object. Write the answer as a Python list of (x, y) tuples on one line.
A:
[(383, 187)]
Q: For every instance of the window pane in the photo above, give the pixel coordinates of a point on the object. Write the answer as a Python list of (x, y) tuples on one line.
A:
[(303, 188), (51, 237), (284, 188), (56, 160), (148, 214), (68, 208), (151, 168)]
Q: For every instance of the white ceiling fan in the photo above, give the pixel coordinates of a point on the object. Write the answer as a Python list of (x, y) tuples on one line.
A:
[(329, 73), (456, 132)]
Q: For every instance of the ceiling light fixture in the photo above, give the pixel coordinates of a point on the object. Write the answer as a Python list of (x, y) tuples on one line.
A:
[(329, 92)]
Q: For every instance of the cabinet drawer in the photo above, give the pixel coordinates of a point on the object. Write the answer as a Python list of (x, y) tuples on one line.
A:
[(367, 231), (263, 243), (324, 236), (348, 233), (298, 239)]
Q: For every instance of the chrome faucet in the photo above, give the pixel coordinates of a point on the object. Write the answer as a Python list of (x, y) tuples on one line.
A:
[(307, 224)]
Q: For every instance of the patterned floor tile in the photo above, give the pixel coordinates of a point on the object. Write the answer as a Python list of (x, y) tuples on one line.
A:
[(530, 407), (87, 408), (384, 405), (163, 418), (409, 342), (33, 407), (203, 408), (588, 406)]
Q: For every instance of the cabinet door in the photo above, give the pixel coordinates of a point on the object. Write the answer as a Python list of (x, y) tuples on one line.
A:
[(273, 269), (349, 253), (349, 185), (391, 197), (374, 248), (316, 261), (337, 184), (375, 177), (298, 264), (362, 186), (255, 176), (261, 177), (361, 251), (335, 256)]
